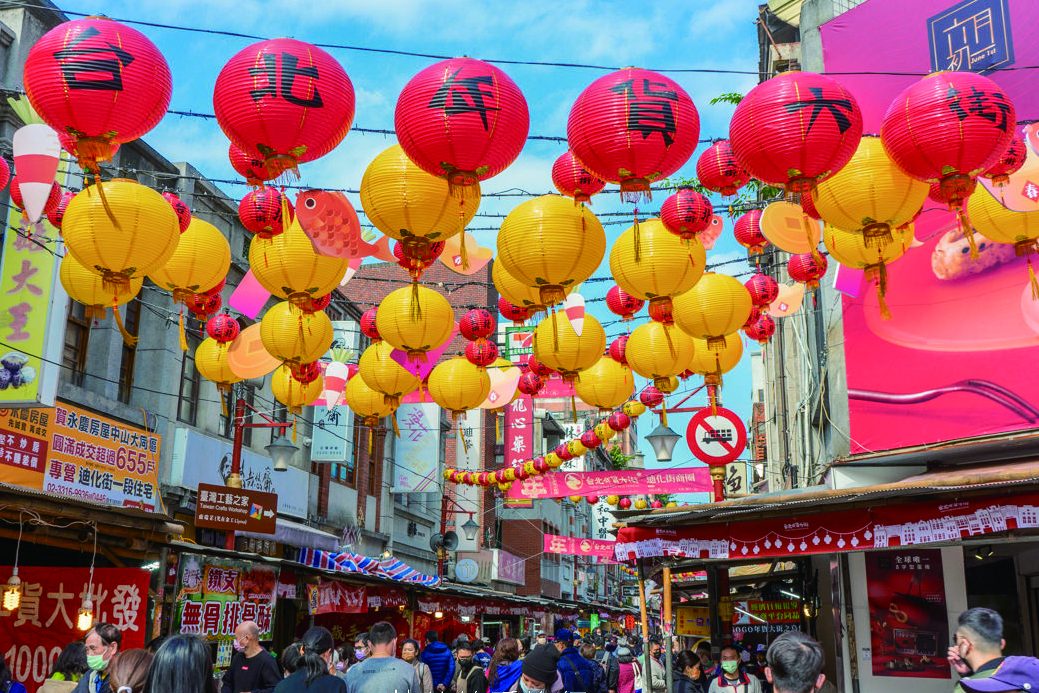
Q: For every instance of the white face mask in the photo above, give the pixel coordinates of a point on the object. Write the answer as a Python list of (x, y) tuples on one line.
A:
[(526, 689)]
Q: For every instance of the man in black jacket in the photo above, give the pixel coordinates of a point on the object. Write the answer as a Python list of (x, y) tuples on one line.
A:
[(253, 669)]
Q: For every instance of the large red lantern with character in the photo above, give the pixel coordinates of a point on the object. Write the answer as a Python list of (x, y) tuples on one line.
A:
[(98, 81), (762, 329), (223, 328), (510, 311), (747, 231), (763, 289), (180, 208), (284, 102), (260, 212), (795, 130), (621, 303), (462, 119), (477, 324), (1010, 162), (202, 305), (573, 180), (718, 170), (633, 127), (686, 213)]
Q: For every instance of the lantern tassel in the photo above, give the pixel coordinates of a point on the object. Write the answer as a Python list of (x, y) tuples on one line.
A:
[(885, 312), (663, 412), (497, 426), (465, 443), (967, 230), (285, 213), (294, 420), (223, 390), (638, 237), (670, 344), (104, 201), (573, 406), (463, 253), (371, 436), (1032, 280), (131, 341), (416, 306), (180, 328), (396, 426), (555, 330)]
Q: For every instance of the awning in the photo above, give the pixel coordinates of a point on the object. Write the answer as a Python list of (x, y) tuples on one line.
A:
[(297, 534), (349, 562)]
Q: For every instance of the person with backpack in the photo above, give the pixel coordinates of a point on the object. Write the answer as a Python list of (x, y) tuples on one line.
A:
[(607, 659), (599, 683), (579, 675), (469, 676), (1012, 674), (629, 673)]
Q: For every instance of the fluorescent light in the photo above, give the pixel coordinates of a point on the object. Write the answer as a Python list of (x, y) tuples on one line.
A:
[(747, 613), (150, 567), (790, 594)]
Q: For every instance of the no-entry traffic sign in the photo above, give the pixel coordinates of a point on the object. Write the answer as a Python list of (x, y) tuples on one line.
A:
[(717, 437)]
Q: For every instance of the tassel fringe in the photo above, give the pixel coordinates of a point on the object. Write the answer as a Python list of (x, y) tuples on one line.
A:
[(131, 341), (180, 328)]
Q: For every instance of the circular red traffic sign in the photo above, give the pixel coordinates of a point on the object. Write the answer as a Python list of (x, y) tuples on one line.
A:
[(716, 437)]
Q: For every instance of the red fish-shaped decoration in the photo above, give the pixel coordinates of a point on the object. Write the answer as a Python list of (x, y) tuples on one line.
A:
[(331, 223)]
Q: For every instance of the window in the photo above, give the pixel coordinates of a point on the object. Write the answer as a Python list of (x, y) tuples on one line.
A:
[(77, 337), (190, 385), (132, 323)]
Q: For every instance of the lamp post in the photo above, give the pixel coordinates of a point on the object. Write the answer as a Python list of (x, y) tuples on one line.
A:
[(470, 528), (663, 440)]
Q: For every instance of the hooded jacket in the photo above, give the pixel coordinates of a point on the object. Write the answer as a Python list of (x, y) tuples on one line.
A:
[(507, 676), (437, 656)]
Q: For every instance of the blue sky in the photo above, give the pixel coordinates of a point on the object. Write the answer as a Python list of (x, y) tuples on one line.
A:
[(711, 35)]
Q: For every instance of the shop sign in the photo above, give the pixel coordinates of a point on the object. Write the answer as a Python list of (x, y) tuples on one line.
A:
[(35, 633), (693, 620), (766, 610), (332, 597), (214, 595), (466, 570), (231, 509), (628, 481), (69, 452), (578, 546), (332, 436), (519, 442), (386, 598), (483, 561), (416, 454), (507, 567)]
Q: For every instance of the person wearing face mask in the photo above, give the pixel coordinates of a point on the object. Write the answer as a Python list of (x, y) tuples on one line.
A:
[(362, 649), (409, 653), (732, 678), (977, 649), (253, 669), (539, 671), (795, 664), (469, 678), (381, 671), (102, 643), (312, 675)]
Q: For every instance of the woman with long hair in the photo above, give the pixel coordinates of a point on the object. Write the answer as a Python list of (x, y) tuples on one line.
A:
[(688, 670), (290, 657), (409, 652), (312, 673), (505, 667), (68, 669), (128, 671), (182, 664)]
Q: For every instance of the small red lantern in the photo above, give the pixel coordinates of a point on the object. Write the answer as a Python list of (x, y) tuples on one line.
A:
[(755, 313), (686, 213), (563, 451), (624, 503), (622, 303), (662, 312), (530, 383), (592, 500), (718, 170), (618, 421), (314, 304), (476, 324), (656, 505), (541, 465), (284, 102), (368, 326), (98, 81), (223, 328), (462, 119), (763, 289), (260, 212), (762, 330), (539, 369), (633, 127), (1008, 164), (203, 304), (590, 440), (617, 348), (807, 269), (249, 167), (181, 209), (56, 215), (747, 231), (306, 373), (512, 312), (481, 353), (573, 180), (5, 173), (416, 258), (651, 396), (795, 130)]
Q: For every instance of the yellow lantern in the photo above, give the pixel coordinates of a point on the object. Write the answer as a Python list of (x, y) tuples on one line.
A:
[(291, 392), (718, 305), (457, 385), (551, 244), (367, 403), (200, 262), (997, 223), (658, 352), (712, 364), (576, 499), (634, 408), (553, 460), (576, 447), (653, 264), (606, 385), (288, 266), (870, 194), (558, 346), (513, 290), (415, 319), (641, 504), (294, 336), (383, 374), (613, 500), (86, 287), (603, 432), (211, 362), (854, 250), (129, 232)]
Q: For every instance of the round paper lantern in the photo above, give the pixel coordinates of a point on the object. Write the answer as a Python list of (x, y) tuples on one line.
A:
[(415, 319), (212, 364), (795, 130), (612, 500), (558, 346), (290, 335), (511, 311), (590, 441), (288, 266), (997, 223), (807, 269), (57, 215), (651, 396), (591, 500), (657, 352), (260, 212), (622, 303), (650, 263), (762, 329), (635, 408), (870, 194), (852, 250), (573, 180), (223, 328), (50, 206), (5, 173), (130, 233), (370, 405), (477, 324), (552, 244), (86, 287), (1008, 164), (203, 304), (306, 373), (576, 448), (530, 383), (619, 421), (633, 127), (369, 328), (481, 353), (383, 374), (416, 257), (686, 213), (457, 385), (553, 460), (252, 168), (713, 363), (294, 394), (718, 170), (618, 349), (98, 81), (539, 369), (624, 503), (462, 119), (514, 291), (762, 288), (180, 209), (201, 259), (747, 231), (606, 385), (284, 101), (717, 306), (641, 504)]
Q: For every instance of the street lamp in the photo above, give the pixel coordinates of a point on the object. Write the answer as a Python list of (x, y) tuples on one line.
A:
[(281, 452), (663, 440), (470, 528)]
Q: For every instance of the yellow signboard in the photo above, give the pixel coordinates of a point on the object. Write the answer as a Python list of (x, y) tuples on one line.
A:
[(693, 620)]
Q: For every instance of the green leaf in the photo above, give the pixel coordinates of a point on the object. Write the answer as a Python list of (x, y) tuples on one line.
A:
[(731, 97)]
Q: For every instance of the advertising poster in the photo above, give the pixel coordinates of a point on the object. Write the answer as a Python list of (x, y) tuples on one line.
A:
[(417, 451), (331, 597), (629, 481), (214, 595), (693, 620), (937, 370), (34, 634), (909, 625)]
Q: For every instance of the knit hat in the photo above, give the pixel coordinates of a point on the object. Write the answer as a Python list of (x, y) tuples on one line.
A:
[(540, 664)]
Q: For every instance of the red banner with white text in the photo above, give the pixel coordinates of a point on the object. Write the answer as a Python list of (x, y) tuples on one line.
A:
[(578, 546), (626, 482)]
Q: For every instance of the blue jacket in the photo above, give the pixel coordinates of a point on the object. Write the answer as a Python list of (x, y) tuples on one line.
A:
[(580, 674), (507, 676), (437, 656)]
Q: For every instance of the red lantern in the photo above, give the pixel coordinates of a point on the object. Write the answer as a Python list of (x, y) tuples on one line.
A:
[(306, 373), (1008, 164), (618, 421), (512, 312), (763, 289), (662, 312), (795, 129), (98, 81), (481, 353), (203, 304), (260, 212), (656, 505), (747, 231), (573, 180), (590, 440), (249, 167), (462, 119), (5, 173), (755, 313), (541, 465), (592, 500), (181, 209), (563, 451), (617, 348), (218, 288), (651, 396), (539, 369), (368, 326), (633, 127), (807, 269), (223, 328), (312, 304), (624, 503), (718, 170), (57, 214), (476, 324), (622, 303), (762, 330), (284, 102), (416, 258), (530, 383), (686, 213)]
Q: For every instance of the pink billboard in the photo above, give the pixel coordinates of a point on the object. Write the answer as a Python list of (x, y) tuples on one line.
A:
[(949, 363)]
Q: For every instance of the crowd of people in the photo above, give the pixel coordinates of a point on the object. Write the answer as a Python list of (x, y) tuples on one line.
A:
[(381, 662)]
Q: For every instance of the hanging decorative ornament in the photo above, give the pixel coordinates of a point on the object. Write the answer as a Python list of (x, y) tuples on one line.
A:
[(481, 353), (287, 266), (538, 368), (369, 405), (618, 421), (369, 328), (98, 81), (590, 441), (997, 223), (5, 173), (462, 119), (476, 324), (788, 228), (261, 211), (949, 128), (315, 304), (37, 153), (223, 328), (624, 503), (658, 352), (719, 171), (305, 373), (573, 180), (337, 373), (203, 304), (804, 268), (457, 385), (712, 364), (415, 258), (53, 198), (292, 393), (179, 208), (763, 289), (290, 335), (56, 216), (852, 250), (635, 408), (88, 288), (558, 346), (1008, 164), (747, 231), (618, 349), (761, 330), (511, 311), (686, 213), (284, 102), (212, 364), (606, 385), (530, 384), (252, 168), (717, 306), (383, 374), (651, 397), (622, 303), (415, 320), (551, 244), (633, 127)]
